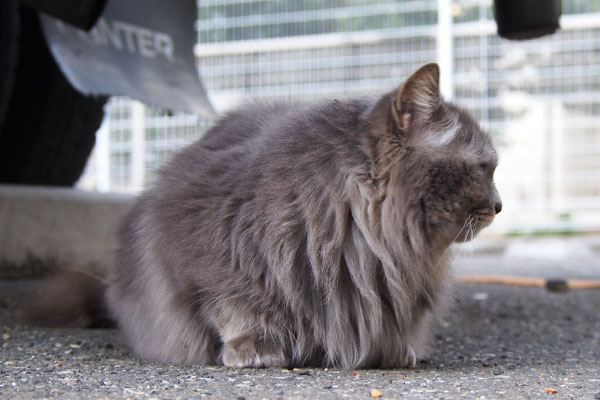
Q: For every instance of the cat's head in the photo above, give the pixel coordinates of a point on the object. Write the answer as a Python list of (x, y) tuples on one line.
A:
[(437, 162)]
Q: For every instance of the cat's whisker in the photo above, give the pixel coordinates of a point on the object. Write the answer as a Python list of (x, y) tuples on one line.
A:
[(465, 226), (471, 234)]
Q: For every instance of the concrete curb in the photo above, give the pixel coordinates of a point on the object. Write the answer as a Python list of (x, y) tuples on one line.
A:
[(43, 228)]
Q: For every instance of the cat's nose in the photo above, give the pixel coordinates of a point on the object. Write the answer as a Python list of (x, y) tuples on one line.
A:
[(498, 207)]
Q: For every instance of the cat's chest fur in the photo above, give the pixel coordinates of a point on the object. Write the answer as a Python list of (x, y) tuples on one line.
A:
[(298, 235)]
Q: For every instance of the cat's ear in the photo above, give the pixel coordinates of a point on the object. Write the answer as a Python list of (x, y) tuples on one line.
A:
[(418, 97)]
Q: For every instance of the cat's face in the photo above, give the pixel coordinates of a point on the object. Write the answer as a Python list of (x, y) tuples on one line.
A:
[(458, 162), (444, 165)]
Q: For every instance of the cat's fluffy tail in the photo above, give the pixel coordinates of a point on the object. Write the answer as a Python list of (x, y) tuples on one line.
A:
[(69, 299)]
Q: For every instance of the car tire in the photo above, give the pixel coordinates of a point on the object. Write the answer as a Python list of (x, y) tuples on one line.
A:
[(49, 128), (9, 29)]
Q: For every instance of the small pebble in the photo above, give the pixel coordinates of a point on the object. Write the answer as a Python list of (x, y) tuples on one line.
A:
[(299, 371), (376, 393)]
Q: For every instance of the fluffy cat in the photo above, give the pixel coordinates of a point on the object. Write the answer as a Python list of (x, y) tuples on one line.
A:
[(294, 235)]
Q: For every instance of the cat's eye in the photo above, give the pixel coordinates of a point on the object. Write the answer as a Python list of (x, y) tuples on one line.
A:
[(484, 166)]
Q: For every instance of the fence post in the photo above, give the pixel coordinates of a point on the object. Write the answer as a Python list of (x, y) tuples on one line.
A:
[(444, 48)]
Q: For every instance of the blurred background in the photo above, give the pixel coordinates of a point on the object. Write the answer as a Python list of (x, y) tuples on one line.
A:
[(539, 99)]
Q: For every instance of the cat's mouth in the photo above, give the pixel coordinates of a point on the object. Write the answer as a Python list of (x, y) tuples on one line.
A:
[(475, 222)]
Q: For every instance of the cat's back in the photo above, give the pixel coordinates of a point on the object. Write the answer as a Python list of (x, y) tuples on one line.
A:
[(264, 137), (269, 124), (244, 124), (216, 163)]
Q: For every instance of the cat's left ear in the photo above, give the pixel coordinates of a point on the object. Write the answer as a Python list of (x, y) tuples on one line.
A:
[(419, 96)]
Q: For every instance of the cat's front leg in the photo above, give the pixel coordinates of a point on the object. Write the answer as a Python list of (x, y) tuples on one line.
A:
[(250, 351)]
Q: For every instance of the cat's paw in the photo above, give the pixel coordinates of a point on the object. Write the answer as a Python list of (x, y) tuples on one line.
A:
[(247, 352), (410, 358)]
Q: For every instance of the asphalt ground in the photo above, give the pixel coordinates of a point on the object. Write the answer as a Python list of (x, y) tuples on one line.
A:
[(499, 342)]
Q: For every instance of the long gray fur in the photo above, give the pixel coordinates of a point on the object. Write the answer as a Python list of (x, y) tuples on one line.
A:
[(294, 234)]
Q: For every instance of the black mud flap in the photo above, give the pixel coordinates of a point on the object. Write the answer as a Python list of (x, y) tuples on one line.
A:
[(526, 19), (140, 49)]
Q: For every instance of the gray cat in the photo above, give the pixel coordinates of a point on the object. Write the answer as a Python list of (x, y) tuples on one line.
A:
[(305, 235)]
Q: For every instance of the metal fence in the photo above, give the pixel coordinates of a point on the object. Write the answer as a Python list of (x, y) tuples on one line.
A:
[(540, 99)]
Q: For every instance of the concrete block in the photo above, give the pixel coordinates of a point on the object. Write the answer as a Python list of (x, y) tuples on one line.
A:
[(43, 228)]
